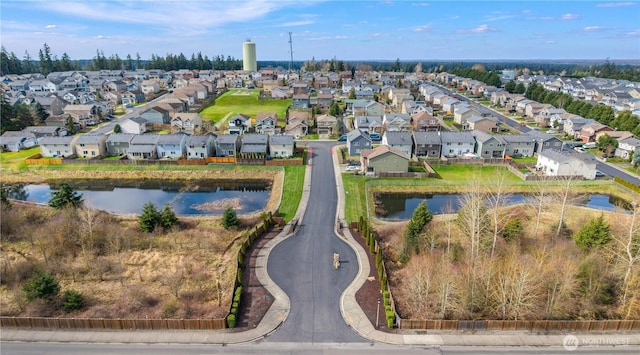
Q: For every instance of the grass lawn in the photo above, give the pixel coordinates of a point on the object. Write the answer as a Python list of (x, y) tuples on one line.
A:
[(355, 196), (245, 102), (526, 160), (293, 181), (15, 160)]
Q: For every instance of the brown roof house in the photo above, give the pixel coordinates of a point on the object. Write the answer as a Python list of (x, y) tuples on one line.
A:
[(384, 159)]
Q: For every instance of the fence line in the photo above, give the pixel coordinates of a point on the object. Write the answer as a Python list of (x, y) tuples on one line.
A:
[(522, 325), (95, 323)]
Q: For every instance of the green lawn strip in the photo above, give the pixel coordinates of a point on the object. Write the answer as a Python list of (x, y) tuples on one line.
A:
[(292, 190), (15, 160), (244, 104), (355, 196)]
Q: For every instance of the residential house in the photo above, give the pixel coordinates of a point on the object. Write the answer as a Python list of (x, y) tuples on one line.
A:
[(396, 122), (186, 122), (457, 144), (53, 105), (324, 100), (91, 146), (368, 124), (143, 146), (462, 113), (132, 97), (82, 114), (567, 164), (16, 143), (626, 147), (588, 132), (427, 144), (156, 116), (544, 141), (136, 125), (296, 128), (200, 147), (227, 145), (573, 125), (357, 141), (365, 108), (483, 124), (327, 125), (384, 159), (423, 121), (280, 93), (45, 131), (281, 146), (239, 124), (151, 86), (254, 145), (300, 116), (116, 85), (266, 123), (489, 146), (399, 140), (58, 147), (300, 101), (177, 104), (172, 146), (519, 145), (118, 143)]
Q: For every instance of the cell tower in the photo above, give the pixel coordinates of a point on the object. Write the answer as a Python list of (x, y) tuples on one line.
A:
[(290, 52)]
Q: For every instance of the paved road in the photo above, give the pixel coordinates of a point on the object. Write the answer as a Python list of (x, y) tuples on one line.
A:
[(303, 264)]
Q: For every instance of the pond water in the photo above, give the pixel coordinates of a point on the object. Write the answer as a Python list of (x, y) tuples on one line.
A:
[(209, 197), (400, 206)]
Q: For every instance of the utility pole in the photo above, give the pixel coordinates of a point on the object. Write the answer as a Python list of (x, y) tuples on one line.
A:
[(290, 52)]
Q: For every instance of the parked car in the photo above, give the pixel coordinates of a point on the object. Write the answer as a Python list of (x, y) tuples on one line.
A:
[(600, 173), (352, 168), (579, 149), (343, 138), (375, 136)]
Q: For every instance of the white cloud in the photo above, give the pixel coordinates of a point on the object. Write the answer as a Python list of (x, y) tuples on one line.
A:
[(569, 16), (592, 29), (483, 29), (454, 17), (616, 4), (296, 23), (326, 38), (51, 26), (422, 28), (420, 4), (378, 34), (632, 34)]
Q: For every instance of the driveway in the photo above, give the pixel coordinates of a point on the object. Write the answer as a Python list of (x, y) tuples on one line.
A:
[(303, 266)]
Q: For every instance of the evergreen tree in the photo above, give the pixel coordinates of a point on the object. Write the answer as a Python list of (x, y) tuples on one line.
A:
[(149, 218), (510, 87), (66, 196), (41, 285), (117, 128), (421, 216), (520, 88), (593, 234), (352, 93), (168, 218), (229, 218)]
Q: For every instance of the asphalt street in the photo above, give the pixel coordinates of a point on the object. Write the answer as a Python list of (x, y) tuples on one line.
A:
[(303, 266)]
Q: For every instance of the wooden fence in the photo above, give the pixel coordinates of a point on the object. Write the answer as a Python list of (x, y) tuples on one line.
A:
[(129, 324), (36, 159), (522, 325)]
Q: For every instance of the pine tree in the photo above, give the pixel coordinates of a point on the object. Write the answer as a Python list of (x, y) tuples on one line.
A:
[(66, 196), (421, 216), (593, 234), (149, 218), (229, 218), (168, 218)]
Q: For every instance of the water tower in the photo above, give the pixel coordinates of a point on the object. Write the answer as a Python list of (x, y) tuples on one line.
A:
[(249, 62)]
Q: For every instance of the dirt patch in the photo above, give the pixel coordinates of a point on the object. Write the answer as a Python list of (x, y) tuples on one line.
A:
[(369, 294)]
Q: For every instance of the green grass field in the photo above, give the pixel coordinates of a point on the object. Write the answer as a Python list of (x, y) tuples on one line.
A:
[(293, 181), (242, 101), (15, 160)]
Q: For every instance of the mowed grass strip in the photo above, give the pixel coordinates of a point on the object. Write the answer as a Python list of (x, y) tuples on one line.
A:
[(15, 160), (239, 101), (292, 190)]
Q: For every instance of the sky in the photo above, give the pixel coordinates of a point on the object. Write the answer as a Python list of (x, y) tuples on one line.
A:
[(345, 30)]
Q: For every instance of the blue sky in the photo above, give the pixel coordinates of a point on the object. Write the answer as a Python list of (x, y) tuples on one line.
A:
[(347, 30)]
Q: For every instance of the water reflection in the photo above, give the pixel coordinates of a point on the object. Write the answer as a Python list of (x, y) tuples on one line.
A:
[(400, 206), (204, 197)]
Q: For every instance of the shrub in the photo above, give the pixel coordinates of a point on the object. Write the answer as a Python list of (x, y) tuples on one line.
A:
[(229, 218), (593, 234), (240, 276), (41, 285), (65, 196), (379, 258), (170, 308), (231, 320), (391, 319), (72, 300), (512, 229)]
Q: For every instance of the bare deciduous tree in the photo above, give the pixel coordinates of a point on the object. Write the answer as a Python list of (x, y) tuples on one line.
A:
[(498, 198)]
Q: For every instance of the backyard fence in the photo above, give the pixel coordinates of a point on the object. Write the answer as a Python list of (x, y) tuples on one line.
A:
[(129, 324), (522, 325)]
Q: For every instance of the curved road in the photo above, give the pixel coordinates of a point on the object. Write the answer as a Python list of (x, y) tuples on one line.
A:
[(303, 267)]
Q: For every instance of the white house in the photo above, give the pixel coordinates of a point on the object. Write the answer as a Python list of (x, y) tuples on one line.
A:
[(58, 147), (200, 147), (571, 164), (171, 146)]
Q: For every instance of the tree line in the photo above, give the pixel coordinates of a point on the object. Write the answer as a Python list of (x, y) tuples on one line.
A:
[(48, 62)]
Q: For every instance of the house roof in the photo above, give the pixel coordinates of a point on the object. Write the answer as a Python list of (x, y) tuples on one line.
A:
[(427, 138), (193, 140), (57, 140), (90, 139), (564, 157), (120, 137), (457, 137), (171, 138), (352, 135), (474, 119), (632, 141), (145, 139), (255, 139), (484, 137), (398, 138), (227, 139), (283, 139), (382, 150), (326, 118), (141, 148)]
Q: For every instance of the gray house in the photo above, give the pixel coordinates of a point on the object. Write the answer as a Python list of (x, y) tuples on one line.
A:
[(239, 124), (357, 141), (143, 146), (172, 146), (519, 145), (544, 141), (427, 144), (227, 145), (254, 145), (118, 143), (200, 147), (281, 146), (457, 144), (156, 115), (400, 140), (489, 146)]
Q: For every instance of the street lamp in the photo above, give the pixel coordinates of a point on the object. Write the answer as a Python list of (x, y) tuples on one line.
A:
[(378, 313)]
